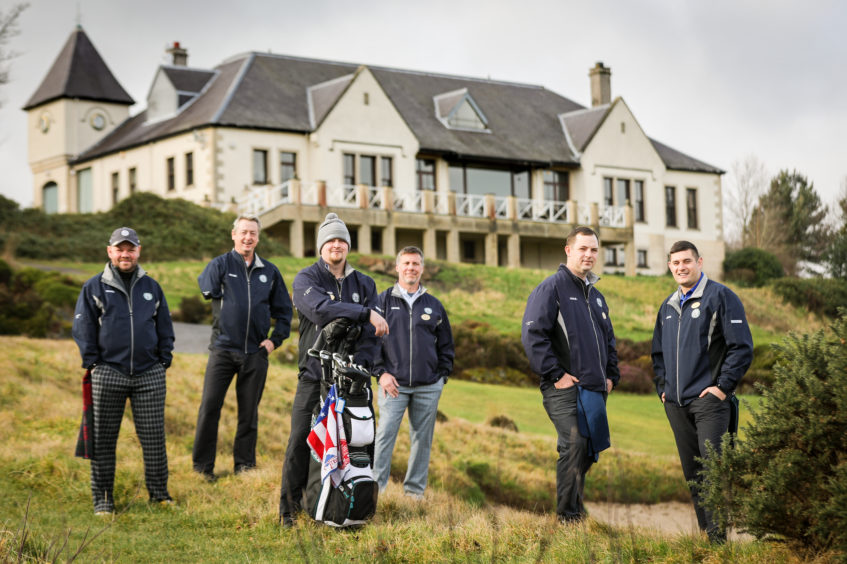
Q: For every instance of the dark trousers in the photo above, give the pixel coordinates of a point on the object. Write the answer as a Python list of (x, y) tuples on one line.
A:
[(573, 462), (295, 469), (703, 420), (223, 365), (146, 392)]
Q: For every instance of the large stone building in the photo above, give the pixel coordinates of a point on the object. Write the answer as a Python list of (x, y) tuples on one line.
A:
[(472, 170)]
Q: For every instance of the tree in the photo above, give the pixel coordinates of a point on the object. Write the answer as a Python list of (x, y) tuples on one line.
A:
[(788, 475), (789, 221), (748, 183), (8, 30), (835, 254)]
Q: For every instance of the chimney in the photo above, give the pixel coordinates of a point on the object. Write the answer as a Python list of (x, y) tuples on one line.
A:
[(601, 85), (179, 54)]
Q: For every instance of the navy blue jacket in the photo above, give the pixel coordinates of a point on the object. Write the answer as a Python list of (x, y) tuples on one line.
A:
[(129, 331), (418, 349), (244, 300), (704, 343), (319, 298), (566, 328)]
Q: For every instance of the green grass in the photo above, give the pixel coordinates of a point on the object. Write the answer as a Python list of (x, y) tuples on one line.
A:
[(490, 497)]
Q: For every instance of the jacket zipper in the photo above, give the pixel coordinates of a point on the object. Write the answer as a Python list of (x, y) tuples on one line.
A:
[(249, 302), (131, 327), (596, 338), (411, 353), (678, 331)]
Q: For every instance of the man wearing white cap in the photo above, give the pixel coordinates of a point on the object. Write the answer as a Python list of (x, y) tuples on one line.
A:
[(327, 290), (123, 329)]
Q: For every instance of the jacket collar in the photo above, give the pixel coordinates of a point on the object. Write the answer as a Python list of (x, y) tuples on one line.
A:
[(673, 300), (590, 277), (257, 262), (398, 292), (324, 267), (110, 279)]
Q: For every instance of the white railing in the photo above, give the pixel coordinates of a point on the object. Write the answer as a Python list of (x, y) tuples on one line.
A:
[(544, 210), (472, 205), (613, 216), (260, 199)]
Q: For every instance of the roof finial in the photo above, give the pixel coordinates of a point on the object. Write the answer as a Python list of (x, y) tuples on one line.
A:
[(78, 16)]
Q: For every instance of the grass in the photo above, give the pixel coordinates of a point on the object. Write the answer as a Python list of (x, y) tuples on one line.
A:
[(490, 497), (497, 296)]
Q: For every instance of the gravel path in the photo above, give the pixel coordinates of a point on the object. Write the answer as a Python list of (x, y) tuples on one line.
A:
[(192, 338)]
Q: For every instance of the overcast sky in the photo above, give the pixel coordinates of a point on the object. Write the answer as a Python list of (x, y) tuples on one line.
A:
[(718, 80)]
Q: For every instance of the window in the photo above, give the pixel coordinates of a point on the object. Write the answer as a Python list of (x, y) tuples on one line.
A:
[(622, 196), (608, 196), (50, 197), (85, 192), (500, 182), (287, 166), (367, 170), (670, 206), (642, 258), (691, 205), (189, 169), (556, 186), (386, 172), (611, 255), (133, 181), (425, 171), (260, 166), (171, 174), (638, 207), (116, 187), (349, 169)]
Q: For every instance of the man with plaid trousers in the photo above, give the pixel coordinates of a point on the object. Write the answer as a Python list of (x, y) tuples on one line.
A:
[(123, 329)]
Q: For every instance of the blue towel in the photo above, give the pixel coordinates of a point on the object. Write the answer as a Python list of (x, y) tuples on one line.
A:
[(592, 421)]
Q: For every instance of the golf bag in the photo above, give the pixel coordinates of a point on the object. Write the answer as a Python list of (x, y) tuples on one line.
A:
[(341, 490)]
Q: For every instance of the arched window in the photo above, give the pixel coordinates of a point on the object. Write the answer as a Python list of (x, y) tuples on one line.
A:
[(50, 197)]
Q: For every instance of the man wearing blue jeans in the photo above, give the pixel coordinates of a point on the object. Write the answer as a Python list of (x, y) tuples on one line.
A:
[(415, 360)]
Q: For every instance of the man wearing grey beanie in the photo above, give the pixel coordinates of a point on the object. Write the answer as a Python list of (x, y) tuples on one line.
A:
[(322, 292)]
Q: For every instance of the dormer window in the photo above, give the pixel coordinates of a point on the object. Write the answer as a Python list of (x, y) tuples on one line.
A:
[(458, 110)]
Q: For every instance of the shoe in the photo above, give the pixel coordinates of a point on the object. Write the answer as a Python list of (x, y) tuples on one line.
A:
[(287, 521), (168, 503), (242, 468), (104, 513), (208, 476), (415, 496)]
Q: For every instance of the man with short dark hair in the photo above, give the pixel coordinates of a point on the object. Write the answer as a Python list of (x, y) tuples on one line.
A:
[(246, 293), (415, 359), (568, 337), (702, 347), (123, 329), (327, 290)]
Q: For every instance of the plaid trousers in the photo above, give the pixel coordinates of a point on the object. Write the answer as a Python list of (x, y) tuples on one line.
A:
[(146, 392)]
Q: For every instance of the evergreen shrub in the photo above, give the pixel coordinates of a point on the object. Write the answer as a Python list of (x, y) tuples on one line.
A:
[(788, 476), (752, 266), (822, 296)]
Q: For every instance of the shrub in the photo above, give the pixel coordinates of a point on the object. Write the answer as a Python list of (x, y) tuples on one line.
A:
[(36, 303), (822, 296), (480, 346), (788, 475), (751, 266), (193, 309)]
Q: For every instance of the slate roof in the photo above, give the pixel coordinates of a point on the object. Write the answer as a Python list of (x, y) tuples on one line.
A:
[(79, 72), (187, 79), (281, 93)]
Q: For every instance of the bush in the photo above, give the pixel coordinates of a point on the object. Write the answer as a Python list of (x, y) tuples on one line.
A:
[(822, 296), (193, 309), (788, 476), (36, 303), (751, 266), (478, 346)]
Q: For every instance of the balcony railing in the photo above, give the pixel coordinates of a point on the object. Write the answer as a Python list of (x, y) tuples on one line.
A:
[(260, 199)]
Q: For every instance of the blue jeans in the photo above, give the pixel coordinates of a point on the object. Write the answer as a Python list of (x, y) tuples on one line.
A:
[(422, 402)]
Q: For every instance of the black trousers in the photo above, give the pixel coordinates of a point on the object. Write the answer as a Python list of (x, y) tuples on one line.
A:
[(295, 469), (703, 420), (573, 462), (223, 365)]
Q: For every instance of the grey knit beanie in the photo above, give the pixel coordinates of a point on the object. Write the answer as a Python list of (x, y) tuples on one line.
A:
[(332, 228)]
